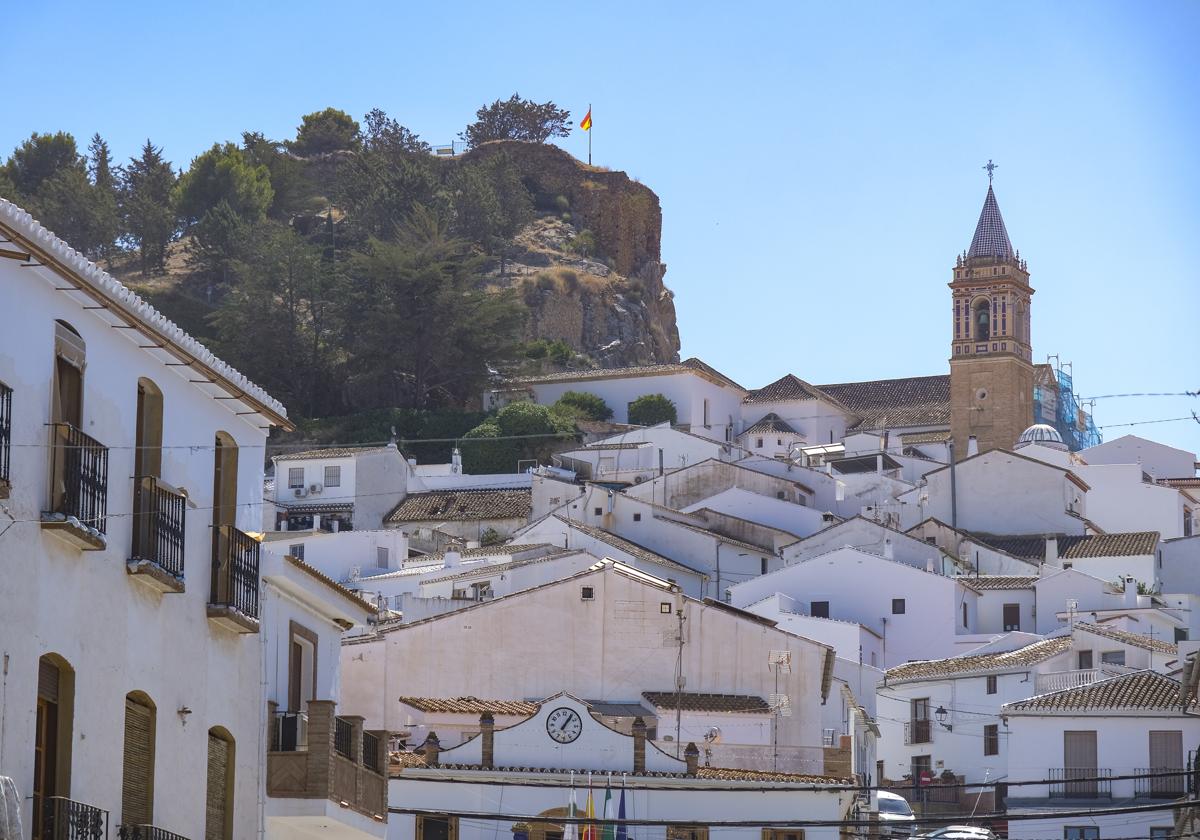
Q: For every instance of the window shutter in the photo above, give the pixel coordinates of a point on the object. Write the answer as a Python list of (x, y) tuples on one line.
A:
[(47, 680), (217, 807), (137, 782)]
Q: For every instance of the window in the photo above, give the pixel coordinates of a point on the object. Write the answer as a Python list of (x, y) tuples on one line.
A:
[(1012, 617), (897, 606), (147, 457), (991, 739), (297, 551), (1112, 657), (69, 360), (964, 612), (1162, 832), (5, 436), (991, 684), (920, 765), (1181, 634), (819, 609), (758, 443), (302, 667), (637, 517), (437, 828), (687, 832), (1082, 832), (779, 441), (587, 593), (706, 423), (1084, 660), (919, 728), (664, 607), (598, 511), (783, 834), (218, 821), (295, 477), (137, 779), (381, 556), (779, 494), (333, 476), (763, 569), (983, 320), (52, 734)]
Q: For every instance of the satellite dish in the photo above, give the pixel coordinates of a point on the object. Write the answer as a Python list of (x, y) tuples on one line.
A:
[(713, 735)]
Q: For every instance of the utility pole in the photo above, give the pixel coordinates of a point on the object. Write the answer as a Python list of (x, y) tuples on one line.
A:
[(679, 677)]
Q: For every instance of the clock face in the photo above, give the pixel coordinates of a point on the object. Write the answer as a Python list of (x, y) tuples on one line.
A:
[(564, 725)]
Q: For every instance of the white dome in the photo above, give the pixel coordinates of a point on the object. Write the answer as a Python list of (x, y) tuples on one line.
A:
[(1043, 435)]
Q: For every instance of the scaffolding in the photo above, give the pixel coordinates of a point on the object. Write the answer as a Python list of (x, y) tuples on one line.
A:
[(1055, 403)]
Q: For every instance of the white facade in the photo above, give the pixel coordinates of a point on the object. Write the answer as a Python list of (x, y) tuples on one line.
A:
[(358, 486), (346, 555), (1159, 460)]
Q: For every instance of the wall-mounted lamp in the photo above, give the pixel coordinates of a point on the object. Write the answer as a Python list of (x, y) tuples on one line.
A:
[(183, 712), (940, 714)]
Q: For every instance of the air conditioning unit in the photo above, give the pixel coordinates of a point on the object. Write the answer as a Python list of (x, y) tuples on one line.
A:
[(291, 732), (316, 488), (355, 572), (301, 492)]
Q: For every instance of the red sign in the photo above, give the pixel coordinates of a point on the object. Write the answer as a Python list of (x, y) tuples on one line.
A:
[(926, 778)]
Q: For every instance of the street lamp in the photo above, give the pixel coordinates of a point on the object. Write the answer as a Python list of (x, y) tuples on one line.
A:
[(940, 714)]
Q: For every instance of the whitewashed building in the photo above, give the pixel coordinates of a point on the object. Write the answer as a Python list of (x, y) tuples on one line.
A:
[(337, 488)]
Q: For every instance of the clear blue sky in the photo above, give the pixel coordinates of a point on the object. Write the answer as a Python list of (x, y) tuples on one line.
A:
[(818, 164)]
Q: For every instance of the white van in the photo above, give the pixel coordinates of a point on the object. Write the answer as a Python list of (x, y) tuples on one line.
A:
[(895, 816)]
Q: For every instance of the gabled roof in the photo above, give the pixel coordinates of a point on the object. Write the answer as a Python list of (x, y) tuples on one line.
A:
[(986, 582), (331, 452), (471, 705), (693, 701), (1127, 638), (355, 597), (1144, 690), (991, 237), (998, 452), (692, 365), (788, 387), (918, 438), (895, 403), (628, 546), (1033, 547), (463, 505), (44, 248), (770, 424), (981, 662)]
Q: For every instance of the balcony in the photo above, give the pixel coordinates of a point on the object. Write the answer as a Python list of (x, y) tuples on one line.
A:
[(233, 598), (65, 819), (158, 534), (78, 488), (918, 732), (146, 832), (320, 756), (1060, 680), (5, 440), (1162, 782), (1080, 783)]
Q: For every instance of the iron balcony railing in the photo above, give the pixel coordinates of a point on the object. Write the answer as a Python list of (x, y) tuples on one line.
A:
[(5, 432), (343, 738), (158, 527), (66, 819), (370, 749), (235, 571), (146, 832), (1080, 783), (79, 476), (1160, 782), (918, 732)]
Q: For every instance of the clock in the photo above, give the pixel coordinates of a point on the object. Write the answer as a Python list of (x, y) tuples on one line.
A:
[(564, 725)]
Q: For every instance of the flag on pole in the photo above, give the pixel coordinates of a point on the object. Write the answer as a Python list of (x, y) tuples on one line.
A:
[(589, 830), (586, 122), (621, 833), (606, 832), (571, 830)]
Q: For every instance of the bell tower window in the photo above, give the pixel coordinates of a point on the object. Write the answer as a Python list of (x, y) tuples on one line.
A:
[(983, 320)]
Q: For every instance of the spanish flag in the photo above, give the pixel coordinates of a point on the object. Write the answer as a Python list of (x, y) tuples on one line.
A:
[(586, 123)]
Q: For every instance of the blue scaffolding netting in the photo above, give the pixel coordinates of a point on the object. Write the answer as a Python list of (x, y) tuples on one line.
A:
[(1054, 403)]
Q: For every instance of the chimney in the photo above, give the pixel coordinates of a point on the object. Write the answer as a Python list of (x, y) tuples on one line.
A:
[(972, 446), (431, 749), (885, 440), (639, 745), (316, 526), (929, 564), (456, 461), (1051, 549), (879, 464), (692, 756), (487, 730), (334, 524), (889, 551), (1131, 593)]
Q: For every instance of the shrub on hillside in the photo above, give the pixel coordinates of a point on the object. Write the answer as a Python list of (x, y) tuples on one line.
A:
[(584, 406), (651, 409)]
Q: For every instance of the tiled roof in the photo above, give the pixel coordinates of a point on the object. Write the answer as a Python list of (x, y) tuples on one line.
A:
[(1003, 581), (471, 705), (980, 662), (724, 540), (686, 366), (917, 438), (692, 701), (487, 569), (1141, 690), (892, 403), (1125, 637), (314, 572), (627, 546), (1033, 547), (787, 387), (729, 774), (864, 463), (771, 424), (608, 446), (991, 237), (463, 505), (330, 452)]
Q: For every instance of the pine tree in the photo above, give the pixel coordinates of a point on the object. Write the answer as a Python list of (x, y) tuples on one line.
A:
[(106, 222), (150, 222)]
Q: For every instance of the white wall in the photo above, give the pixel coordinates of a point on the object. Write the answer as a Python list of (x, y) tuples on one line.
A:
[(991, 609), (798, 520), (1120, 501), (816, 420), (872, 537), (852, 641), (1158, 459), (338, 555)]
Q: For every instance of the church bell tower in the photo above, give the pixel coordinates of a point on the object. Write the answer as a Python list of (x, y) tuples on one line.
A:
[(991, 368)]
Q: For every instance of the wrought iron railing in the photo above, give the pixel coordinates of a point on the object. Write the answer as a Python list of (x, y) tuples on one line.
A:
[(66, 819), (343, 738), (918, 732), (235, 571), (290, 732), (1160, 782), (5, 431), (1080, 783), (146, 832), (370, 750), (78, 476), (158, 527)]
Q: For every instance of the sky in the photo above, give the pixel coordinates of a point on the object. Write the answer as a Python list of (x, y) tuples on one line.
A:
[(819, 165)]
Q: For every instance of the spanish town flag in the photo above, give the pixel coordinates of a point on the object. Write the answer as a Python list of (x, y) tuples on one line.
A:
[(586, 123)]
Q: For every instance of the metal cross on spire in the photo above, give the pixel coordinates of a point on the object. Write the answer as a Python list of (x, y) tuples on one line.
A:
[(990, 167)]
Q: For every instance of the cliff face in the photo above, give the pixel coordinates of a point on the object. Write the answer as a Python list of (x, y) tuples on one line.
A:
[(607, 299)]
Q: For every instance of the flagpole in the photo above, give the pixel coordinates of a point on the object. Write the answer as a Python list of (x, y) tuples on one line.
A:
[(589, 135)]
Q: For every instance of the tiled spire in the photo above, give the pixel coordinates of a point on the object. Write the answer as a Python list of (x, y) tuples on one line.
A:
[(991, 239)]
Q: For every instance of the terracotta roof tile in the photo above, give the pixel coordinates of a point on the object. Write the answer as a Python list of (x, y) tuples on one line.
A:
[(401, 760), (891, 403), (462, 505), (771, 423), (1033, 547), (1003, 581), (686, 366), (1125, 637), (692, 701), (980, 662), (1141, 690), (331, 452), (629, 547), (471, 705), (788, 387), (924, 437), (729, 774)]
